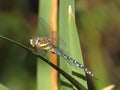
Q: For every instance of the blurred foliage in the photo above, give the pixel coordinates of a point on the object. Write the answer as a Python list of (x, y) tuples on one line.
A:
[(17, 68), (98, 23), (2, 87), (99, 30)]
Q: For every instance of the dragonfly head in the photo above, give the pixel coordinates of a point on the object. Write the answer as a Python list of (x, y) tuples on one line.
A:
[(39, 42), (34, 41)]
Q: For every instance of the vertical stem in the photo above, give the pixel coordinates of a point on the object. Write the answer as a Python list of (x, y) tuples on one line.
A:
[(53, 24)]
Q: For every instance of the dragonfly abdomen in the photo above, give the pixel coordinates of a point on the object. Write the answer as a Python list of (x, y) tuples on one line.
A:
[(68, 58)]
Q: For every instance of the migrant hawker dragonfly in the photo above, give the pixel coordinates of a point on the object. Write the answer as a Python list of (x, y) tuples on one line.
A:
[(45, 43)]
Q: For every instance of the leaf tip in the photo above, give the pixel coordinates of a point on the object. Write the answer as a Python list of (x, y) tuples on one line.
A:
[(69, 12), (110, 87)]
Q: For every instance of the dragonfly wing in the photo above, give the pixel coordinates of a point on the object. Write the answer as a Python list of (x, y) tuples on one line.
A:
[(45, 31), (43, 28)]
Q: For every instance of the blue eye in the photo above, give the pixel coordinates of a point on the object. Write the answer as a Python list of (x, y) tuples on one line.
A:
[(36, 39)]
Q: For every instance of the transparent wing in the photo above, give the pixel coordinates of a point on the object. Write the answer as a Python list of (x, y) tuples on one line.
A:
[(45, 31), (43, 28)]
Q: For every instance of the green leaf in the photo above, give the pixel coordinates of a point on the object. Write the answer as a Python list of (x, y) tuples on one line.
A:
[(2, 87), (43, 70), (68, 31)]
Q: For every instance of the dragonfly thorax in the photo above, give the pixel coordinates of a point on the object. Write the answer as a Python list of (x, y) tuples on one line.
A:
[(43, 43)]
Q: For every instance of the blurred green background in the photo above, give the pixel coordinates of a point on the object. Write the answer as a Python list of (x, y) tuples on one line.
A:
[(98, 23)]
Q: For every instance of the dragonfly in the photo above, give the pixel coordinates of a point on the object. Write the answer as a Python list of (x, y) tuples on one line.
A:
[(45, 43)]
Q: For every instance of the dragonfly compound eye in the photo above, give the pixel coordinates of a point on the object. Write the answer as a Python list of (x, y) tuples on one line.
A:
[(36, 40)]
